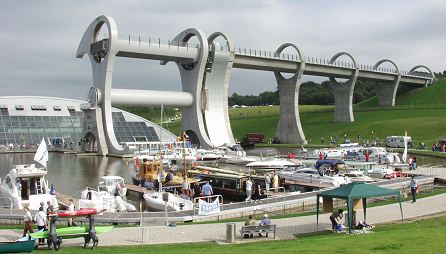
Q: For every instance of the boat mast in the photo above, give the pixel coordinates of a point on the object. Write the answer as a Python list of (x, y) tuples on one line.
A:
[(161, 129), (184, 152)]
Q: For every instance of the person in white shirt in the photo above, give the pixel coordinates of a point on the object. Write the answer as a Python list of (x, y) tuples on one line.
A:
[(71, 208), (248, 190), (267, 182), (185, 186), (41, 221), (28, 219)]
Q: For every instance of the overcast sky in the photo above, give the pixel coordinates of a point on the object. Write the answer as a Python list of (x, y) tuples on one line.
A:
[(39, 39)]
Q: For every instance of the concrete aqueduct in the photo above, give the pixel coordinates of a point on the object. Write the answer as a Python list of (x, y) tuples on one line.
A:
[(205, 72)]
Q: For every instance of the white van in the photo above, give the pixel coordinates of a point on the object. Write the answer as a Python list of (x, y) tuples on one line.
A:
[(397, 141)]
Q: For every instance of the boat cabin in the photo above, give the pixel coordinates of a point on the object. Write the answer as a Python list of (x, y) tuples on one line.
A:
[(231, 185), (149, 170), (28, 179)]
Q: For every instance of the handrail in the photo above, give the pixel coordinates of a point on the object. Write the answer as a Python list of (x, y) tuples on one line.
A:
[(275, 188)]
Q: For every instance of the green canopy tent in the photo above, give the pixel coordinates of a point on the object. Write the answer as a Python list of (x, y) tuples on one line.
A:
[(354, 191)]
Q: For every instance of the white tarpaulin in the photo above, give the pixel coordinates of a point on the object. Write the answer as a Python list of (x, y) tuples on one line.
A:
[(205, 208)]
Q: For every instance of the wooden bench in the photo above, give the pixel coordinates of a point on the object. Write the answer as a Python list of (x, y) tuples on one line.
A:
[(248, 230)]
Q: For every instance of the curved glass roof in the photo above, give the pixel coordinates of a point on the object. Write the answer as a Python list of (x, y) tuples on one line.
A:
[(25, 120)]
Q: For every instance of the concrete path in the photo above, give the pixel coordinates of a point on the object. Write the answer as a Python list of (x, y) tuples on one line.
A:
[(286, 228)]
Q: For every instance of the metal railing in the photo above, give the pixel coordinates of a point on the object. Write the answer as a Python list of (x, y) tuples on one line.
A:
[(158, 42), (275, 190)]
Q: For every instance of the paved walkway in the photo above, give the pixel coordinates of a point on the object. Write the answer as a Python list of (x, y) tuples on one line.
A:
[(286, 228)]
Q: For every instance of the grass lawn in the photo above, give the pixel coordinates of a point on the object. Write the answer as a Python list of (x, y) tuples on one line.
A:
[(423, 236), (423, 125), (419, 111)]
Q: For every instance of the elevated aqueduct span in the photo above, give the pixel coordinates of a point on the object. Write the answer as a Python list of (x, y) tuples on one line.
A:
[(205, 70)]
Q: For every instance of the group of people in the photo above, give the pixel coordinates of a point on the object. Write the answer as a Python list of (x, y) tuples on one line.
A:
[(252, 222), (195, 191), (254, 191), (41, 218), (439, 148)]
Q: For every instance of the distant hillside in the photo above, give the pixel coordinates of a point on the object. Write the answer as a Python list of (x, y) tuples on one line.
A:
[(433, 94)]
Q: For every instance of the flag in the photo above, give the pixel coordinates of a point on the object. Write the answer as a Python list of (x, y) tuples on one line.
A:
[(41, 155), (406, 141)]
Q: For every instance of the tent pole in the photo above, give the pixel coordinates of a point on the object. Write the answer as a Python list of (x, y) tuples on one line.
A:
[(350, 215), (364, 207), (401, 207), (317, 213)]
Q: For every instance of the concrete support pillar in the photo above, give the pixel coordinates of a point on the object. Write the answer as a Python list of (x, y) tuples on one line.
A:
[(289, 129), (343, 96), (386, 91), (343, 93)]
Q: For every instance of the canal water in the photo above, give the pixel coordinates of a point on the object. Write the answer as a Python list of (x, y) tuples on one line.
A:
[(70, 174)]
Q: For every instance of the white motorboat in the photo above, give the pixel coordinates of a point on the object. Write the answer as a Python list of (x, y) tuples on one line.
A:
[(270, 164), (174, 202), (376, 154), (25, 185), (175, 155), (328, 153), (114, 185), (236, 155), (208, 156), (102, 199), (372, 169), (357, 176), (311, 177)]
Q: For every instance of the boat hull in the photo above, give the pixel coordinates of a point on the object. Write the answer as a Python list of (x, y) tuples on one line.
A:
[(16, 247), (72, 232), (155, 201)]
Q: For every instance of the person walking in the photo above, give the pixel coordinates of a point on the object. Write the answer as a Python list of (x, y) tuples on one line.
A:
[(335, 219), (248, 190), (71, 208), (28, 221), (41, 222), (413, 188)]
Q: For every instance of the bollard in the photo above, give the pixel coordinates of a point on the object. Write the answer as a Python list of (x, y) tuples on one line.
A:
[(145, 234), (230, 232)]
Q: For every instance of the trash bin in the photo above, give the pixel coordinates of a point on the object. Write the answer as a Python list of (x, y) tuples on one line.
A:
[(230, 232)]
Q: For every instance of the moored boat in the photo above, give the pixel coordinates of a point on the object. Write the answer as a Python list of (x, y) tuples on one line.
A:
[(26, 186), (155, 200), (17, 246)]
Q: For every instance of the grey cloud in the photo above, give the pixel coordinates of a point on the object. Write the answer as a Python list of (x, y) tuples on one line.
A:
[(39, 38)]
